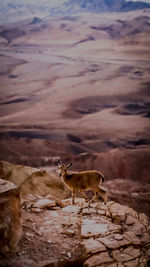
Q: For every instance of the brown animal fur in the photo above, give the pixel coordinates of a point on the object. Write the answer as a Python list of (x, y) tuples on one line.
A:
[(82, 181)]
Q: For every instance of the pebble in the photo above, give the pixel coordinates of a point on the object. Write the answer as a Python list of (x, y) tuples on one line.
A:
[(36, 210), (69, 255)]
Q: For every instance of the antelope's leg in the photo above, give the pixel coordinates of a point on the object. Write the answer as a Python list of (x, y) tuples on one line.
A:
[(83, 194), (93, 197), (103, 194), (73, 196)]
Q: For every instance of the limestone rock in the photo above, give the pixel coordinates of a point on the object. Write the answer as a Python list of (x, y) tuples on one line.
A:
[(10, 217), (126, 255), (114, 227), (42, 183), (91, 246), (36, 210), (117, 213), (133, 263), (72, 209), (143, 219), (44, 203), (33, 180), (16, 174), (130, 236), (131, 220), (92, 228), (77, 234), (98, 260), (111, 242)]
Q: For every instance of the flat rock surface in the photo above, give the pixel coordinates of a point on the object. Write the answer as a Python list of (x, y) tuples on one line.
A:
[(69, 236)]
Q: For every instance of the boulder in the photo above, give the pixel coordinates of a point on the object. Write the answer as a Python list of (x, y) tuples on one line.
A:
[(16, 174), (42, 183), (33, 180), (10, 217)]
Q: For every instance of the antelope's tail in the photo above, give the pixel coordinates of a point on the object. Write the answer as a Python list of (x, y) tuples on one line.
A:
[(103, 177)]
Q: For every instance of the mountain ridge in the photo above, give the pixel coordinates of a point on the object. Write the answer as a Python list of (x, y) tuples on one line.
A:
[(106, 5), (12, 12)]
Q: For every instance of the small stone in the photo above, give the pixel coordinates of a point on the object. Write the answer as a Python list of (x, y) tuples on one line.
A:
[(101, 212), (145, 238), (80, 201), (110, 241), (133, 213), (44, 203), (114, 227), (85, 205), (21, 253), (93, 205), (143, 219), (56, 208), (69, 255), (70, 232), (142, 262), (148, 252), (36, 210), (92, 210), (66, 202), (91, 246), (117, 212), (91, 228), (72, 209), (85, 211), (118, 237), (120, 256), (133, 252), (131, 220), (27, 206), (49, 241), (127, 254), (133, 263), (132, 238), (29, 234), (138, 229), (97, 260)]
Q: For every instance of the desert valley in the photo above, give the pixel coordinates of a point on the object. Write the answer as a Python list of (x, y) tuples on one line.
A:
[(77, 86)]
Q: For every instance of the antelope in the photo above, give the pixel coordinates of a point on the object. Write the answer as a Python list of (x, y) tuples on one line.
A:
[(82, 181)]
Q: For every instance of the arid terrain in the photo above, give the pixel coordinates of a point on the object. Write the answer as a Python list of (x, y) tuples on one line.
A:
[(74, 86), (77, 86)]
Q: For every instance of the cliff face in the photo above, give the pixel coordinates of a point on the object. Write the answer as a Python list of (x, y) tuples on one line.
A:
[(60, 234)]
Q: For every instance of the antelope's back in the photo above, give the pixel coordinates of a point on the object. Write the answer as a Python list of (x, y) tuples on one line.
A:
[(85, 179)]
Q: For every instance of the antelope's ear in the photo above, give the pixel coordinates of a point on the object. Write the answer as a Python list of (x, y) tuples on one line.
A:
[(59, 161), (69, 165)]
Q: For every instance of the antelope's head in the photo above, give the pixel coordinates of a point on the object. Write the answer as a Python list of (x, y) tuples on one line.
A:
[(62, 169)]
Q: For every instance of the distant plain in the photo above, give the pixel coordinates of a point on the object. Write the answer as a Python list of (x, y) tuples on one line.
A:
[(77, 87)]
